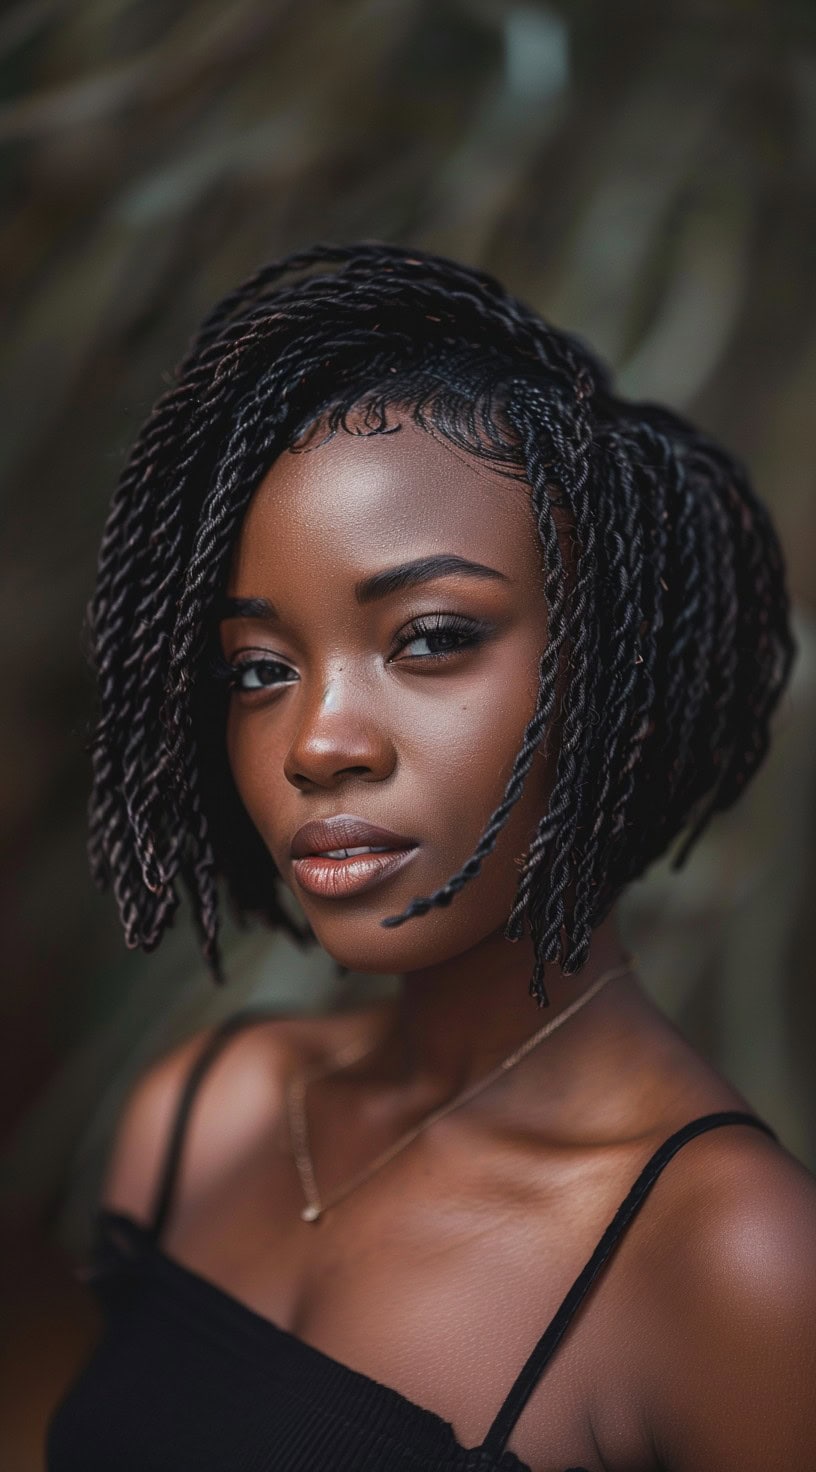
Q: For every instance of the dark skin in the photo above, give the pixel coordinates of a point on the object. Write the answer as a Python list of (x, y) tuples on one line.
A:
[(696, 1350)]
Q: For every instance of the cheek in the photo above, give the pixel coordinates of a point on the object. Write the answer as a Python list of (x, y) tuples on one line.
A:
[(464, 787), (477, 734), (256, 765), (462, 757)]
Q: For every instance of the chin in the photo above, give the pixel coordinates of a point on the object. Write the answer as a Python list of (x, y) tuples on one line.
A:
[(427, 940)]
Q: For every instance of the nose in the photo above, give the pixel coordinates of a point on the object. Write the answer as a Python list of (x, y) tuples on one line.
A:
[(338, 735)]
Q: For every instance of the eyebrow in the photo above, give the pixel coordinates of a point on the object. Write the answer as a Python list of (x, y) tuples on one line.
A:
[(379, 584), (421, 570)]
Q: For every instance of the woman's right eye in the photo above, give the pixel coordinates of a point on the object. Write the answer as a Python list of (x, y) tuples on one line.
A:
[(261, 674)]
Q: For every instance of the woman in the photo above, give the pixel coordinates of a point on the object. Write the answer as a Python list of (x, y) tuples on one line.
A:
[(402, 612)]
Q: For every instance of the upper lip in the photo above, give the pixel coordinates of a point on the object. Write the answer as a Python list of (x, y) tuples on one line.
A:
[(344, 830)]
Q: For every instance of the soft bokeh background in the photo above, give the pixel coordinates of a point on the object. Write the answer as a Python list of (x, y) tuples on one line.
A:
[(643, 173)]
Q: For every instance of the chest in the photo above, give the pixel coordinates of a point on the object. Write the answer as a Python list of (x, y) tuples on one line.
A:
[(438, 1278)]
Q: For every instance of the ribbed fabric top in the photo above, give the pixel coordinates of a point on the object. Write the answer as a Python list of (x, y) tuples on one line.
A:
[(188, 1377)]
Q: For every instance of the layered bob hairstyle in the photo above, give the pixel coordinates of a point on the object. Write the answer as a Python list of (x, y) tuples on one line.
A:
[(672, 630)]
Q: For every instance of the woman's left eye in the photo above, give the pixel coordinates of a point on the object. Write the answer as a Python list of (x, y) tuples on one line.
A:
[(440, 635)]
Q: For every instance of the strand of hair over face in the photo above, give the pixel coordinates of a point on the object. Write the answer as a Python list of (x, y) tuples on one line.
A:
[(669, 640)]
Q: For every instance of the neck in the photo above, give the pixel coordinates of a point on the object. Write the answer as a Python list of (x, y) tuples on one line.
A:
[(454, 1021)]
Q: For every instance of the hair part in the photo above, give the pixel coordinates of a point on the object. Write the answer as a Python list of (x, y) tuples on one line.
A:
[(669, 640)]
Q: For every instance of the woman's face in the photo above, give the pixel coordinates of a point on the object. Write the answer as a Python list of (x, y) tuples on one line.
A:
[(403, 703)]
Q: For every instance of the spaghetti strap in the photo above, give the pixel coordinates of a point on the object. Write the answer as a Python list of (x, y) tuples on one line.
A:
[(172, 1156), (524, 1385)]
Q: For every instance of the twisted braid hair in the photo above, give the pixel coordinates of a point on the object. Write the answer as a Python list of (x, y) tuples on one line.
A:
[(669, 641)]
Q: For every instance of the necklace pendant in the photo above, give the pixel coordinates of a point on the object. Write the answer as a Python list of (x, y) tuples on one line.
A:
[(310, 1213)]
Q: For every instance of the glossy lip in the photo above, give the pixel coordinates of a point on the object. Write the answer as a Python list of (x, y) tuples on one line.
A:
[(344, 830), (337, 879)]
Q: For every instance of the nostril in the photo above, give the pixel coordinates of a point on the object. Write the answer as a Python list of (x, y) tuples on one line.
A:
[(301, 781)]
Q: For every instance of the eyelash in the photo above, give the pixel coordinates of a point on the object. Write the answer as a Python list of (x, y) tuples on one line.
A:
[(469, 632)]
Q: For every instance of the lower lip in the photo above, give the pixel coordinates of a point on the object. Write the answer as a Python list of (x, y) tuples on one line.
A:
[(335, 879)]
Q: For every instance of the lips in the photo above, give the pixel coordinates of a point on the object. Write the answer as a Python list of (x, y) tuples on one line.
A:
[(344, 831), (326, 860)]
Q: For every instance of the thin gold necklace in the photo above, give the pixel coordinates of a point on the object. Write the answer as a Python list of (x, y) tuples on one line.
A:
[(296, 1090)]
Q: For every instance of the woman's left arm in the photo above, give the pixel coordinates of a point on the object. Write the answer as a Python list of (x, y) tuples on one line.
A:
[(736, 1386)]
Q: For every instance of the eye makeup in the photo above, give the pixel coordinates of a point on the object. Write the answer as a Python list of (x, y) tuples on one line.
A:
[(458, 631), (445, 635)]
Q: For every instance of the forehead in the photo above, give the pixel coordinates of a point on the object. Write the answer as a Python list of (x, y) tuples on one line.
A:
[(356, 503)]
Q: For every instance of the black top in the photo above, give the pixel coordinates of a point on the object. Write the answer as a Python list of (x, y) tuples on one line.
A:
[(188, 1377)]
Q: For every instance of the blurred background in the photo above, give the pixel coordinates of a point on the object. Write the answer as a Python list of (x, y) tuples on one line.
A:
[(644, 173)]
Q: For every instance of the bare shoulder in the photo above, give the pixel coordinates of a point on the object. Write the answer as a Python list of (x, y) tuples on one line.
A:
[(240, 1094), (734, 1195), (730, 1281)]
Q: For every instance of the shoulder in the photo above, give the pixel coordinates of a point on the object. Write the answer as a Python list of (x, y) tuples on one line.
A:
[(731, 1286), (239, 1092)]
